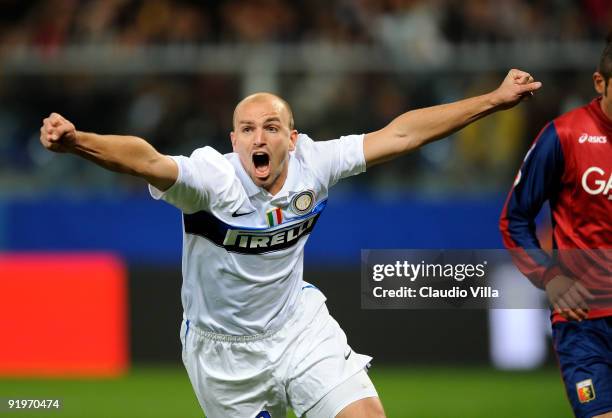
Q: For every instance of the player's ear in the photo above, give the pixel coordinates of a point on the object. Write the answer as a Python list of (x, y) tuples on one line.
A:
[(293, 137), (233, 139), (599, 83)]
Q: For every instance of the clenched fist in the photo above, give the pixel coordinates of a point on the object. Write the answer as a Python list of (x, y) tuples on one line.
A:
[(57, 134), (518, 85)]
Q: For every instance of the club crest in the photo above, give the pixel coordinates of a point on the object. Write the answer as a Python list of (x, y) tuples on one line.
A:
[(303, 202), (586, 391)]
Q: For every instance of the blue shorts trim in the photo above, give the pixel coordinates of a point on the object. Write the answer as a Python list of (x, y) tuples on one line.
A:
[(584, 350)]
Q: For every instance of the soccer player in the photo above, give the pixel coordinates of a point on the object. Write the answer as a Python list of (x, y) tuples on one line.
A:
[(570, 165), (256, 338)]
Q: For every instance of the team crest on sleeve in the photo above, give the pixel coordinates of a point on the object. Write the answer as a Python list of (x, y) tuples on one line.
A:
[(303, 202), (586, 391)]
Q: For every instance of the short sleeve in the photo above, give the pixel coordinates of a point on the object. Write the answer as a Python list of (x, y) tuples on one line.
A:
[(200, 178), (335, 159)]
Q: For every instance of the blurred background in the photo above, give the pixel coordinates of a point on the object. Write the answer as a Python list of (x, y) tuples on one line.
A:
[(172, 72)]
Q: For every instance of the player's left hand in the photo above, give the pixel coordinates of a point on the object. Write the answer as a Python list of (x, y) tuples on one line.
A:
[(518, 85)]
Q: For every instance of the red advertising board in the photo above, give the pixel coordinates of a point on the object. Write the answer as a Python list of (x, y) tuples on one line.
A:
[(63, 314)]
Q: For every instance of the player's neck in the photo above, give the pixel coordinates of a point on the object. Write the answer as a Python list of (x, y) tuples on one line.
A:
[(606, 107), (278, 183)]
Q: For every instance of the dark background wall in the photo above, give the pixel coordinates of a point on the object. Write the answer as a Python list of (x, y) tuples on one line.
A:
[(407, 336)]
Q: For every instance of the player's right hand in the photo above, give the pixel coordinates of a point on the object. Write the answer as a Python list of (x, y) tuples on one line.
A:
[(57, 134), (568, 298)]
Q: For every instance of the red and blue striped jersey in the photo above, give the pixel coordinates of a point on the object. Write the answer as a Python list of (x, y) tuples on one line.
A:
[(570, 166)]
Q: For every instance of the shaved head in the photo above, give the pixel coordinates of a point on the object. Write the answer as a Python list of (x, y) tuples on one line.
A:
[(281, 105)]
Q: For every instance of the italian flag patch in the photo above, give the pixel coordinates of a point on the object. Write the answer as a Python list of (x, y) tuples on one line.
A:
[(274, 217)]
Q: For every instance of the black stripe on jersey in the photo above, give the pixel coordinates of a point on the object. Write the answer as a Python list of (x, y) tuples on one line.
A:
[(251, 240)]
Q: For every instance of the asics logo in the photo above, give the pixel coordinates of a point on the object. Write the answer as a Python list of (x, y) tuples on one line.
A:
[(595, 181), (592, 139)]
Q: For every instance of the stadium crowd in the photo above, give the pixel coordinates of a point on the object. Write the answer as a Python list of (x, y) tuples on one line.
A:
[(179, 112), (166, 21)]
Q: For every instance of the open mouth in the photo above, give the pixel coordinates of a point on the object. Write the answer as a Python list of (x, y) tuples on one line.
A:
[(261, 162)]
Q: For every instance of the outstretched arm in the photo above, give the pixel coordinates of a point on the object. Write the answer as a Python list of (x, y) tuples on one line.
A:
[(123, 154), (416, 128)]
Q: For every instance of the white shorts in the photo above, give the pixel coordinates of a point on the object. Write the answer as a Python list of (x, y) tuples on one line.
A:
[(359, 386), (295, 367)]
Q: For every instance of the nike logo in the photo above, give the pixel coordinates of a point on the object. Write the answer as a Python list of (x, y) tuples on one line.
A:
[(347, 355), (236, 214)]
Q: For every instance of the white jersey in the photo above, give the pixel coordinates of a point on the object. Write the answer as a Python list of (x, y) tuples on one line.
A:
[(243, 248)]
